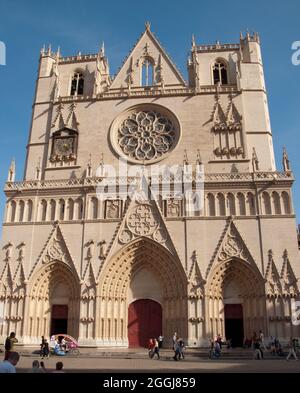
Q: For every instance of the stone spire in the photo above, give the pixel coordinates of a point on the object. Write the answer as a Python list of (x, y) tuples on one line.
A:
[(12, 171), (185, 158), (160, 71), (102, 50), (198, 159), (130, 74), (147, 26), (255, 162), (38, 170), (89, 167), (102, 77), (285, 161), (193, 42)]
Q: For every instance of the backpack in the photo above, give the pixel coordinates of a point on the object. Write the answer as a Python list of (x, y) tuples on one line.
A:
[(8, 344)]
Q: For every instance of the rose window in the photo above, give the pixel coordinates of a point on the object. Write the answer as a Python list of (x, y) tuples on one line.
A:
[(145, 135)]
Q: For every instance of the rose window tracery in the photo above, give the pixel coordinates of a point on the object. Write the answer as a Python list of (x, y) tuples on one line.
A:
[(145, 135)]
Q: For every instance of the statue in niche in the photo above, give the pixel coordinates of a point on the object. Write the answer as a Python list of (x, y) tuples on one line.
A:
[(173, 208), (102, 249), (112, 209)]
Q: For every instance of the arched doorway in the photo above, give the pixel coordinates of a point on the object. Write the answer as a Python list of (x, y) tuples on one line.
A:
[(236, 302), (136, 263), (144, 322), (54, 305)]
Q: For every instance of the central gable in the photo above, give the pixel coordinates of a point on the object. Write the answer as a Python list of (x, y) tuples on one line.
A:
[(148, 53)]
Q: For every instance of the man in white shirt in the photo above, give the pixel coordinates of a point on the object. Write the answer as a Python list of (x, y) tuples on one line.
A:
[(8, 366)]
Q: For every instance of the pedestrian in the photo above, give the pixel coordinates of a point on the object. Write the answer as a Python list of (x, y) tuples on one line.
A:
[(257, 350), (219, 340), (36, 368), (217, 350), (10, 344), (9, 365), (181, 348), (59, 368), (174, 339), (151, 348), (273, 346), (262, 340), (156, 349), (176, 350), (45, 349), (254, 339), (292, 348), (160, 341)]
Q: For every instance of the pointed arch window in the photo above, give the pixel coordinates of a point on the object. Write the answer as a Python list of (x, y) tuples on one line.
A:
[(77, 84), (147, 72), (220, 73)]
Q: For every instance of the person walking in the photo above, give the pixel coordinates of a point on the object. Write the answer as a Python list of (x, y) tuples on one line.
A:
[(156, 349), (262, 340), (292, 349), (253, 340), (219, 340), (174, 339), (151, 348), (45, 349), (257, 350), (10, 344), (177, 350), (181, 348), (8, 366), (160, 341)]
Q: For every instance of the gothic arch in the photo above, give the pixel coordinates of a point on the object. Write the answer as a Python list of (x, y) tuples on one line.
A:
[(70, 209), (250, 293), (210, 205), (12, 211), (250, 204), (276, 202), (29, 206), (221, 204), (41, 288), (21, 209), (241, 204), (143, 253), (286, 202), (42, 211), (231, 204), (266, 203)]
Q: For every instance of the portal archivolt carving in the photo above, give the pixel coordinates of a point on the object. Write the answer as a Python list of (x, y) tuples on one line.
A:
[(142, 220)]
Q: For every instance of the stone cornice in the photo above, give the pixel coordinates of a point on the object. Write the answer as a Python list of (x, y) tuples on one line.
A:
[(211, 179), (155, 91)]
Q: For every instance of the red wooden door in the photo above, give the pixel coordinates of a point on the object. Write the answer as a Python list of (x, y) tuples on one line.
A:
[(144, 322)]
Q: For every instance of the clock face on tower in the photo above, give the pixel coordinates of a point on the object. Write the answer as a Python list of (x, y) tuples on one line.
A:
[(64, 146)]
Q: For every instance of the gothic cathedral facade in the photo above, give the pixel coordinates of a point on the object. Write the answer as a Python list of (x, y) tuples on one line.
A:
[(114, 270)]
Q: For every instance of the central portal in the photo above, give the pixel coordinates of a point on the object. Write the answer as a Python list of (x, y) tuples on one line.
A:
[(234, 327), (144, 322), (59, 319)]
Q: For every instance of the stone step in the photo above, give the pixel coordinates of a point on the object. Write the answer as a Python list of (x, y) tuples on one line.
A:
[(165, 354)]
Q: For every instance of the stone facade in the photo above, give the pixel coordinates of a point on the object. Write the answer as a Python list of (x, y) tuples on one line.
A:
[(63, 245)]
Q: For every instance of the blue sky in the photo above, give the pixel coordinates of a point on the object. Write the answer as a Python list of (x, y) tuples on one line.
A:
[(82, 26)]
